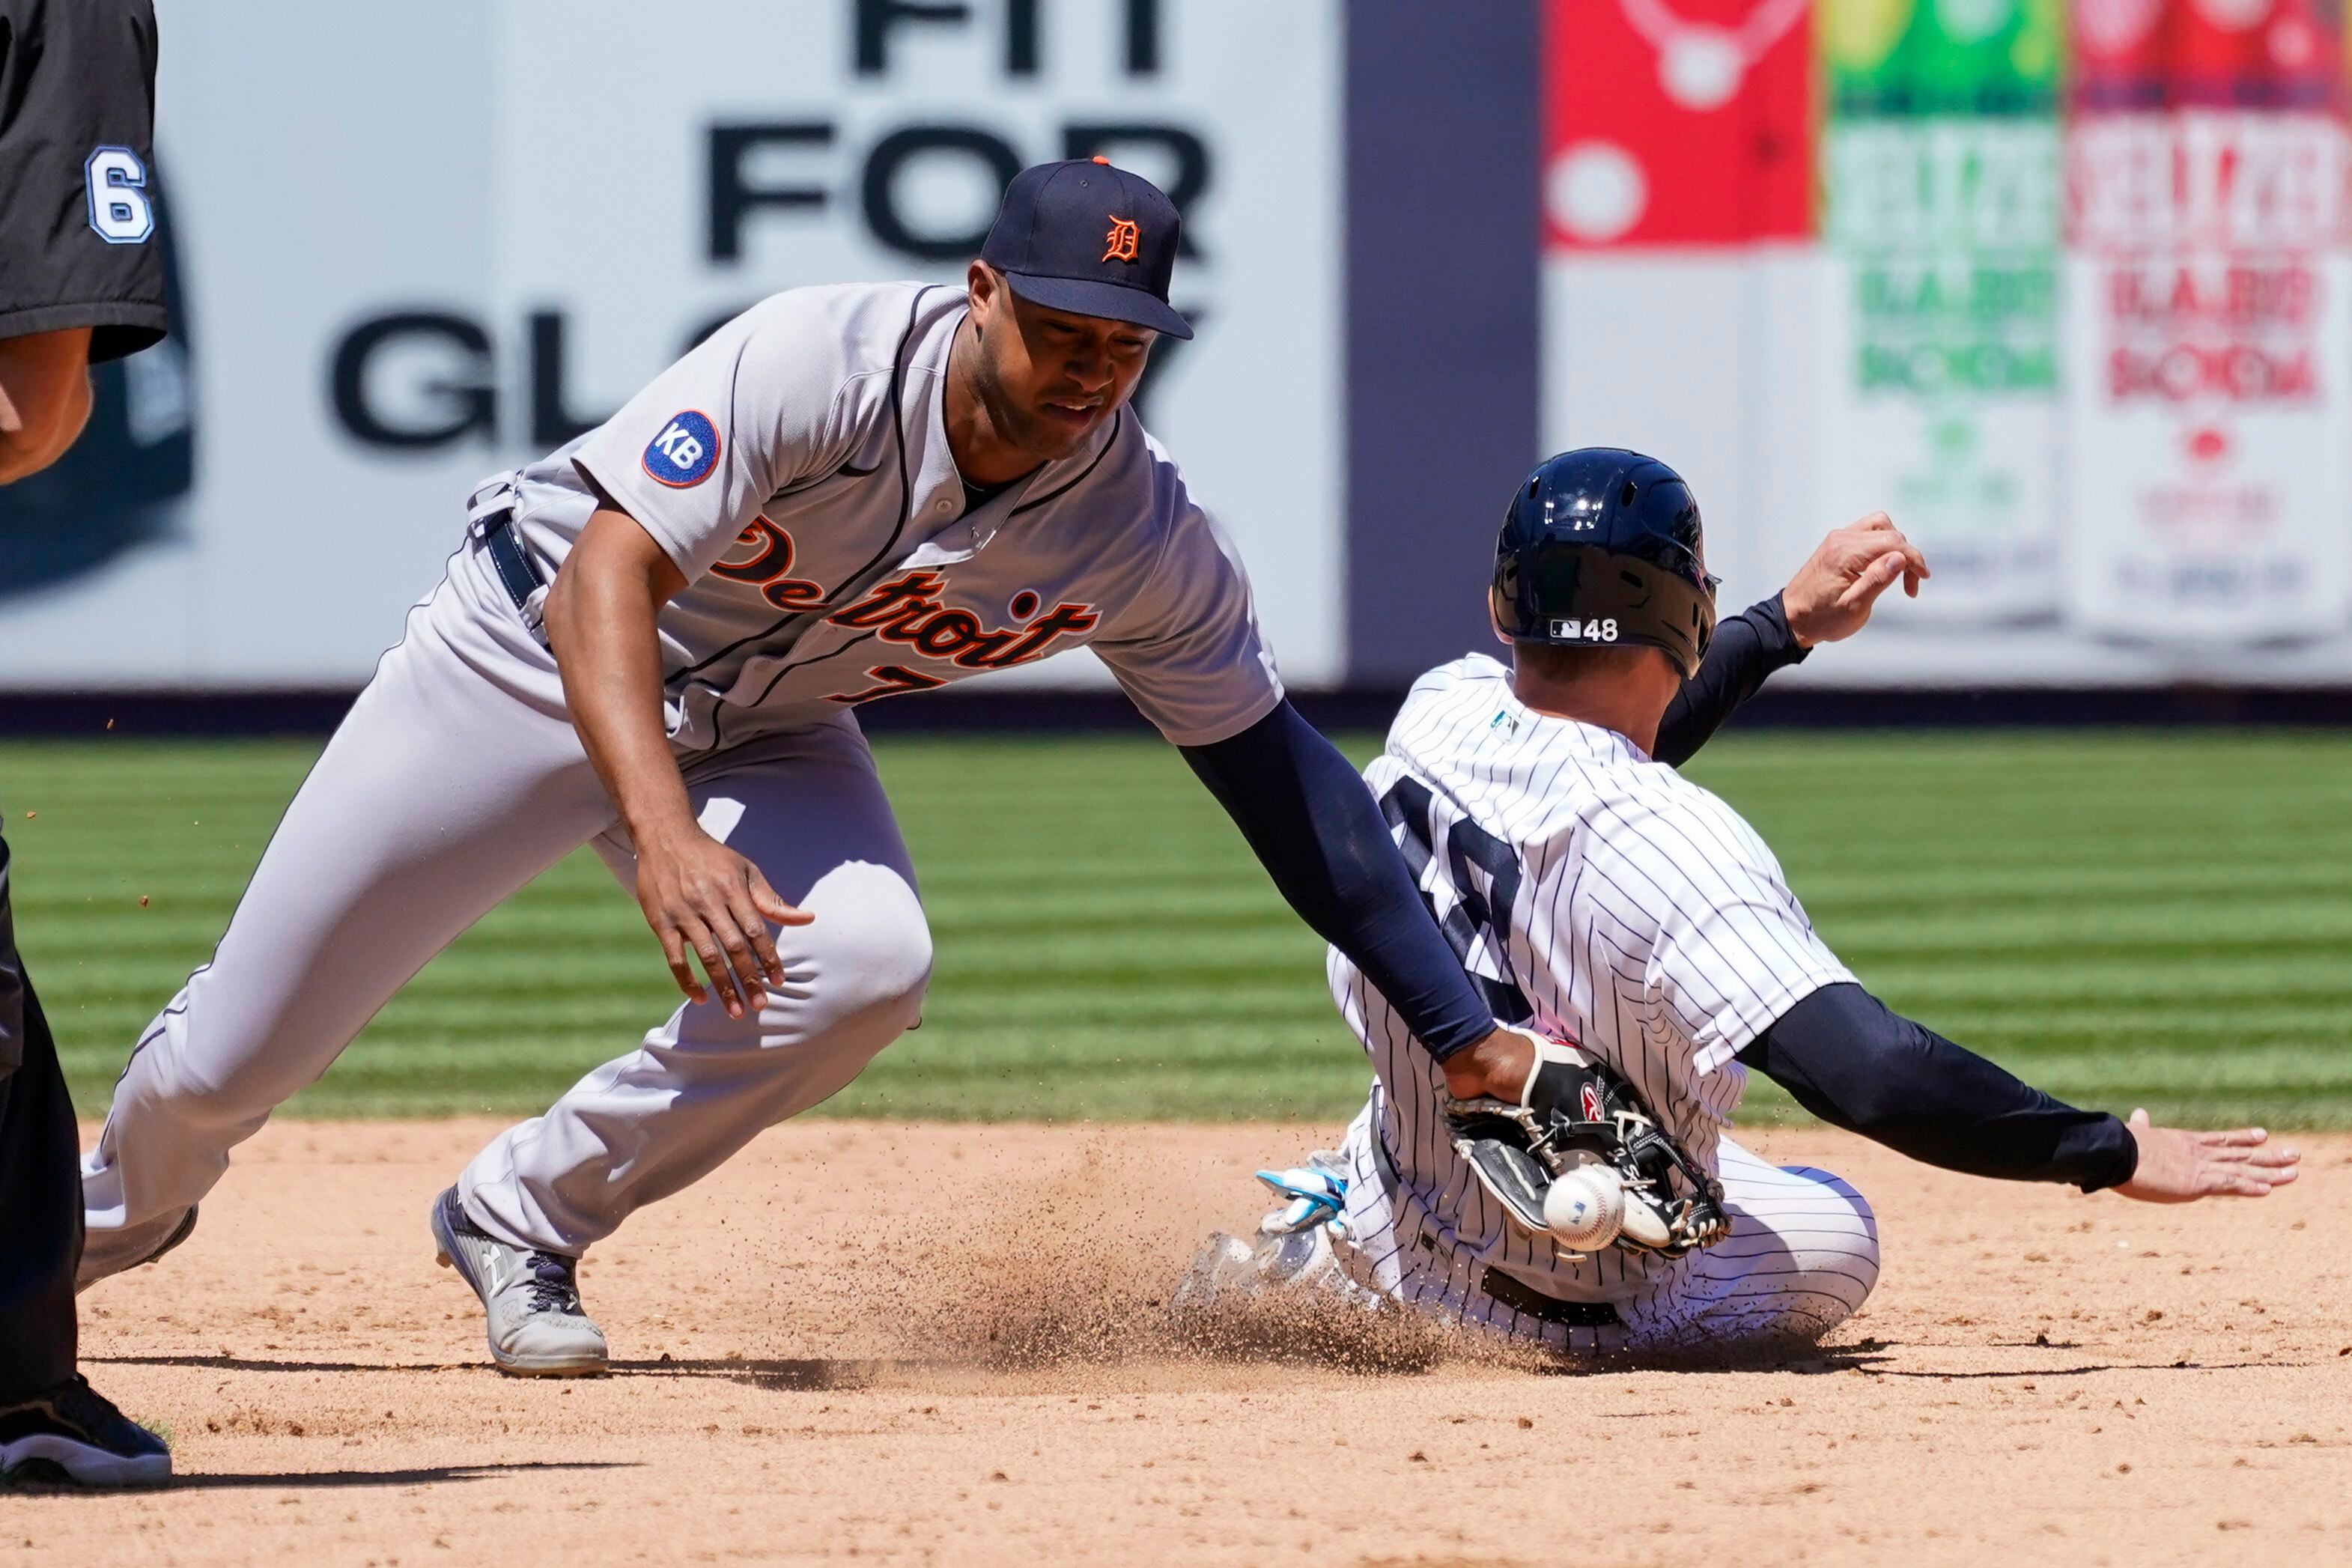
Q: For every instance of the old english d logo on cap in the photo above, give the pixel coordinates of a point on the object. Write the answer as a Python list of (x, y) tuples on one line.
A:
[(1088, 238), (1120, 243)]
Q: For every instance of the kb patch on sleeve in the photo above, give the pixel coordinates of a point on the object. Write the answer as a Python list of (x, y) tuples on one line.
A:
[(685, 452)]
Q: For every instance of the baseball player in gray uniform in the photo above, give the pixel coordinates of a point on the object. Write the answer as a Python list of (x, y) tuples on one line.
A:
[(653, 640), (1646, 940)]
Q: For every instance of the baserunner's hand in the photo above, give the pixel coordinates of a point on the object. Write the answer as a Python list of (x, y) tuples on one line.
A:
[(702, 897), (2178, 1167), (1831, 596)]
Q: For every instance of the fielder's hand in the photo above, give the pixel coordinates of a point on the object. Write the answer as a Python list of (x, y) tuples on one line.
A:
[(1830, 597), (1496, 1066), (2177, 1167), (697, 893)]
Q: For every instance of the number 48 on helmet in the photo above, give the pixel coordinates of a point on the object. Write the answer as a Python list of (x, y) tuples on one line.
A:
[(1601, 548)]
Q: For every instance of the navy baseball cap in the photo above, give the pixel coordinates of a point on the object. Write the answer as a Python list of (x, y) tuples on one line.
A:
[(1088, 238)]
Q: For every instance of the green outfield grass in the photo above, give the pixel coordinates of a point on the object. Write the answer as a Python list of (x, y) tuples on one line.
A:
[(2163, 918)]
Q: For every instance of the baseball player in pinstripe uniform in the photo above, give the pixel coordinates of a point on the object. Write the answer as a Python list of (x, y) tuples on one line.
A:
[(1578, 1188)]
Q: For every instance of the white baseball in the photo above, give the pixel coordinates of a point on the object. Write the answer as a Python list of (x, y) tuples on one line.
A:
[(1585, 1207)]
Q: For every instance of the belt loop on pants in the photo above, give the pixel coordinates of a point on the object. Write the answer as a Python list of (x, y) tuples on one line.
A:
[(491, 519), (514, 564)]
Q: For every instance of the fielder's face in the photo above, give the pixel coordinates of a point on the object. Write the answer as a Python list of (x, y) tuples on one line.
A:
[(1049, 378)]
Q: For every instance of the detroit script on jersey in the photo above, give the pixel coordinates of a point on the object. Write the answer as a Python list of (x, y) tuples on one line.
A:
[(908, 611)]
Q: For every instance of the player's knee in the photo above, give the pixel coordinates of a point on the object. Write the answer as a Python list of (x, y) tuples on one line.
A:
[(1865, 1245), (871, 944), (1826, 1262), (1842, 1250)]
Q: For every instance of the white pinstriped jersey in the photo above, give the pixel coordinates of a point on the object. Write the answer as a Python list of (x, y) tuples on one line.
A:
[(1591, 893)]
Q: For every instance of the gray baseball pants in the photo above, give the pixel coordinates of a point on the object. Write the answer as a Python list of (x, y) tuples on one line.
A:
[(455, 779)]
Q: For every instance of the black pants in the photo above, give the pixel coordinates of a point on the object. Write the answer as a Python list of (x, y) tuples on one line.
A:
[(40, 1185)]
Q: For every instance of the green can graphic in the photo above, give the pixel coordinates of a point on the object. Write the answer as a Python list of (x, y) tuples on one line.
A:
[(1939, 163)]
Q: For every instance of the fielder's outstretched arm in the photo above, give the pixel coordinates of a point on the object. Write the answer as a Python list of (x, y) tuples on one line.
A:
[(1856, 1064), (1321, 837)]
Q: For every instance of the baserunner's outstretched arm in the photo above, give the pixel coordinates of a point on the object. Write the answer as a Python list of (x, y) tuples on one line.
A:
[(1827, 600), (1856, 1064)]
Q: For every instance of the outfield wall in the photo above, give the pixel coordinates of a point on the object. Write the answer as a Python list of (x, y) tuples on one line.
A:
[(413, 245)]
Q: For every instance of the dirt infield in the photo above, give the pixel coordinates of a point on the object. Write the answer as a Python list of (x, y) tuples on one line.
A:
[(941, 1345)]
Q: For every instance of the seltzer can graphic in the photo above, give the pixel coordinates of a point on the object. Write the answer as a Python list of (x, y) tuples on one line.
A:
[(1938, 375), (2209, 480)]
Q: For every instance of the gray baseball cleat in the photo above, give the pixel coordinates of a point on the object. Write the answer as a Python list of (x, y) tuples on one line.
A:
[(537, 1326)]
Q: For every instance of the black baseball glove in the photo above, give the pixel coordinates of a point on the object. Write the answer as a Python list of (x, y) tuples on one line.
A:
[(1578, 1112)]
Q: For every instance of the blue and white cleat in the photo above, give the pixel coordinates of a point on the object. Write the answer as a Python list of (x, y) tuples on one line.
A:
[(1294, 1255), (1314, 1194)]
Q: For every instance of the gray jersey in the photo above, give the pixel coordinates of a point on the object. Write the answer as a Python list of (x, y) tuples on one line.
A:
[(1595, 894), (795, 468)]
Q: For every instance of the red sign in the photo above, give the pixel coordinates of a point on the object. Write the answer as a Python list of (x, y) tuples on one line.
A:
[(2207, 185), (2221, 54), (1677, 123), (2208, 173)]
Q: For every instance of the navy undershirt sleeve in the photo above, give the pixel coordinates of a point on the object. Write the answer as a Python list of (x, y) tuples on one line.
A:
[(1855, 1064), (1320, 834), (1746, 648)]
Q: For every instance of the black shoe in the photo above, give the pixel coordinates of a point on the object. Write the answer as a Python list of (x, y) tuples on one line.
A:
[(72, 1433)]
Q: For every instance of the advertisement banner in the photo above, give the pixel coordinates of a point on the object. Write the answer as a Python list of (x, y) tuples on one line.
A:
[(1677, 122), (490, 223), (1939, 356), (1678, 207), (2066, 290), (2207, 221), (2065, 286)]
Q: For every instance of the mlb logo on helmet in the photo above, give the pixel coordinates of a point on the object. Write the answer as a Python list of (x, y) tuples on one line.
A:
[(685, 452)]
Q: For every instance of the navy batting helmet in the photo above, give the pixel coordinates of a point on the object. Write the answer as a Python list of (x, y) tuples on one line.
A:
[(1602, 547)]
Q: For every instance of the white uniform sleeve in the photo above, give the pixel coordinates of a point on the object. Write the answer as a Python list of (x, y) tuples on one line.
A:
[(1187, 650), (1734, 949), (696, 455)]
